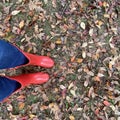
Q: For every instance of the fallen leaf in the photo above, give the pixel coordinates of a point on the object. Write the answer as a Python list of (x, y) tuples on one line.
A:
[(79, 60), (72, 59), (21, 24), (84, 44), (73, 93), (58, 16), (82, 25), (45, 1), (91, 92), (106, 15), (21, 97), (21, 105), (105, 4), (100, 75), (32, 116), (58, 41), (52, 45), (114, 29), (91, 32), (106, 103), (100, 3), (15, 12), (99, 23), (86, 83), (84, 54), (96, 78), (97, 111), (70, 86), (71, 117), (9, 107), (43, 107), (62, 87), (79, 109)]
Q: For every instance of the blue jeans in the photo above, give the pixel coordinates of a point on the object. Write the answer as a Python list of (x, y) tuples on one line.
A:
[(10, 57)]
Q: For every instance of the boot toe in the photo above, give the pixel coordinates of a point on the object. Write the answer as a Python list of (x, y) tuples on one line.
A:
[(47, 62), (40, 78)]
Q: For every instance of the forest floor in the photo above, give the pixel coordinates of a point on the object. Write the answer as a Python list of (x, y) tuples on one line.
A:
[(83, 38)]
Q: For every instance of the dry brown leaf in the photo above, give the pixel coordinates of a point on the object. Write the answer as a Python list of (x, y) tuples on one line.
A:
[(21, 97), (99, 23), (96, 78), (91, 92), (79, 60), (32, 116), (72, 59), (105, 4), (43, 107), (7, 18), (71, 117), (21, 105), (21, 24), (58, 41)]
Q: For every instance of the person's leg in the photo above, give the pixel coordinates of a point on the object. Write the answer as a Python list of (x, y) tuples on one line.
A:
[(10, 56), (7, 87)]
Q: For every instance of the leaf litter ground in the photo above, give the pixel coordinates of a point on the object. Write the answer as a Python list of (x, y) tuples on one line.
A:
[(83, 37)]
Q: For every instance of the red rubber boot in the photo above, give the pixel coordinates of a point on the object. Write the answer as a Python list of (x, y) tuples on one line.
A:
[(31, 78), (11, 57), (10, 85), (43, 61)]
